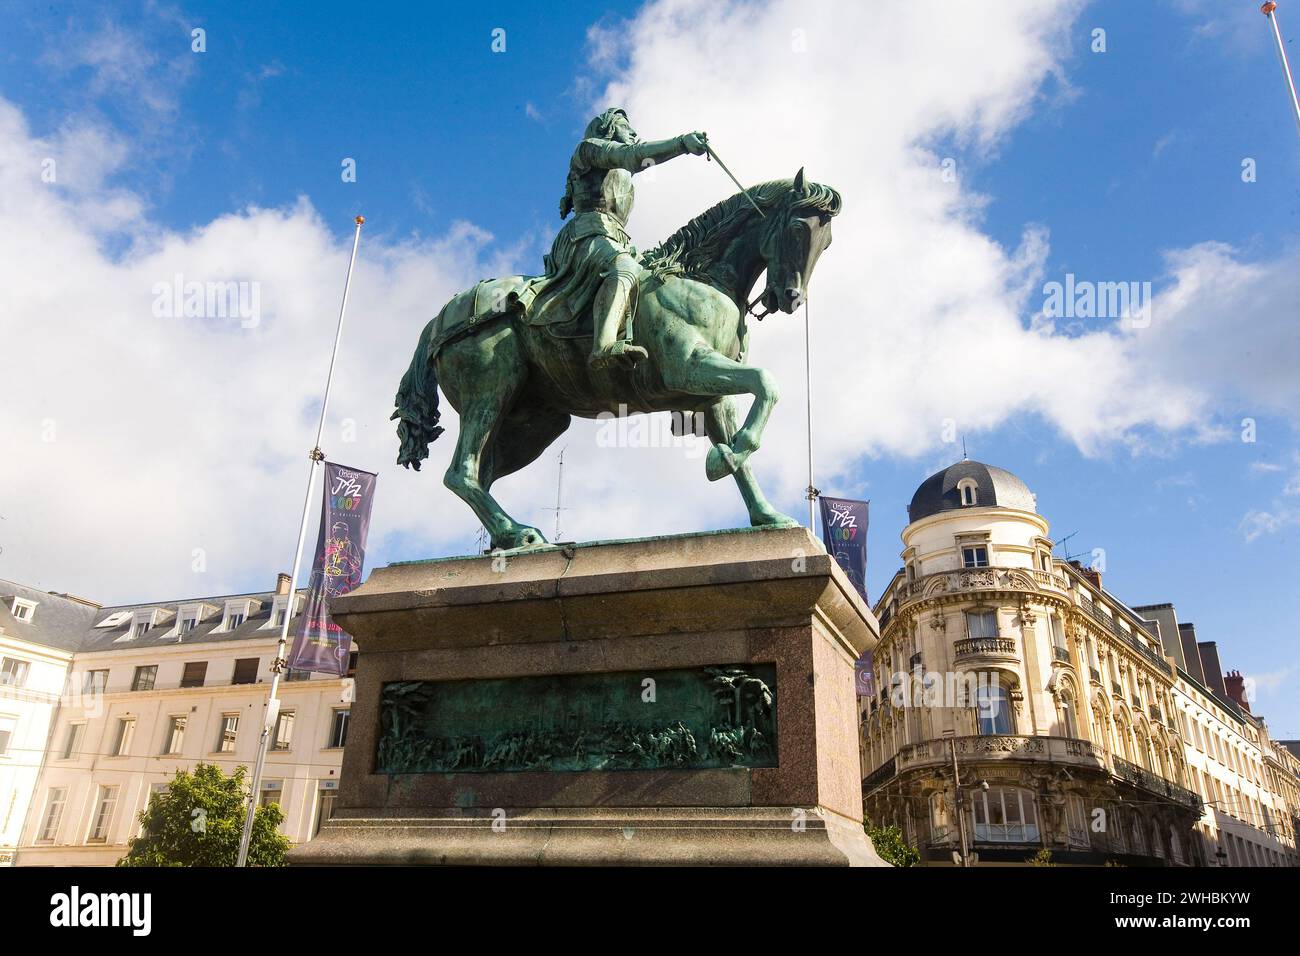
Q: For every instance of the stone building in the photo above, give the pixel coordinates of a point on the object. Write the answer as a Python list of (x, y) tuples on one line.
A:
[(1018, 674), (39, 632), (1245, 779), (147, 689)]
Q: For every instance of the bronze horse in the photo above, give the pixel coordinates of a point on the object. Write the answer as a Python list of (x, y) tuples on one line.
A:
[(516, 384)]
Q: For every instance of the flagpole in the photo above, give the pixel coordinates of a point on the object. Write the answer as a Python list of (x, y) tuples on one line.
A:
[(1268, 10), (278, 665), (812, 491)]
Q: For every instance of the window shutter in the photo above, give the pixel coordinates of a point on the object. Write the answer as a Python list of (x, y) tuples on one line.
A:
[(195, 672), (245, 670)]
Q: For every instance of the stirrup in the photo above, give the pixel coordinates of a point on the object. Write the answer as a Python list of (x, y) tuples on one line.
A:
[(621, 352)]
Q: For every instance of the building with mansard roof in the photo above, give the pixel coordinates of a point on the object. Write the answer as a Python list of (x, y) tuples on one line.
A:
[(104, 704)]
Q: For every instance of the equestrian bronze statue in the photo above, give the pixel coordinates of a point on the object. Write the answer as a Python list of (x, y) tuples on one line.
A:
[(606, 331)]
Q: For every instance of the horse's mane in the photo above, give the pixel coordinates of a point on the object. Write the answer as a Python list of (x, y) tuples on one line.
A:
[(697, 243)]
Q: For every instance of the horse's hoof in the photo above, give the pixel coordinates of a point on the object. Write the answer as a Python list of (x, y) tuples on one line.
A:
[(720, 462), (521, 540), (774, 520)]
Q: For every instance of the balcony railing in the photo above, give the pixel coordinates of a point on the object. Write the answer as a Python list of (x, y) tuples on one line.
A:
[(1141, 777), (1095, 675), (1066, 750), (1116, 689), (1061, 654), (980, 579), (879, 776), (984, 647), (1154, 711), (1111, 625)]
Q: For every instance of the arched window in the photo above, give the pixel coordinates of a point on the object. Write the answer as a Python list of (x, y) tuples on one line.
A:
[(993, 708), (1069, 721), (939, 824), (1005, 815), (969, 494)]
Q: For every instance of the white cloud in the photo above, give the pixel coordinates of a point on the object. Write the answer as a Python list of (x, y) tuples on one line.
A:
[(177, 434)]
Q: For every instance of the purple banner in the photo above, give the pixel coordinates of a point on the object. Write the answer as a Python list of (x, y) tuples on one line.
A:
[(320, 645), (844, 529)]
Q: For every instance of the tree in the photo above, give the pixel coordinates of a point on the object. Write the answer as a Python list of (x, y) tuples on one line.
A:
[(891, 846), (198, 821), (1042, 858)]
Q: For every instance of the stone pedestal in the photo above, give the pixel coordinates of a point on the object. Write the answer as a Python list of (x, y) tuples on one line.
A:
[(675, 700)]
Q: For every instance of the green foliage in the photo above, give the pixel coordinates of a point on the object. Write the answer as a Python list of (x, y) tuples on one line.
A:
[(198, 820), (1042, 858), (891, 846)]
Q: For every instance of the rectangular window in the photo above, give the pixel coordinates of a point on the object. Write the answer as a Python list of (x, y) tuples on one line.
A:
[(975, 557), (13, 672), (122, 740), (22, 610), (245, 670), (104, 807), (175, 738), (236, 619), (95, 683), (292, 675), (352, 664), (195, 672), (54, 804), (339, 729), (229, 730), (272, 792), (7, 725), (188, 624), (140, 628), (1005, 815), (144, 677), (72, 741), (982, 623), (282, 739)]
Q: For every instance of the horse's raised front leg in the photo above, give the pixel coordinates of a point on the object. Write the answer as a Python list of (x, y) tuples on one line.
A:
[(720, 423), (705, 371)]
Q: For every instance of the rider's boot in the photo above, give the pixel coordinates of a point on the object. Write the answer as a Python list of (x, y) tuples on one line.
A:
[(607, 349)]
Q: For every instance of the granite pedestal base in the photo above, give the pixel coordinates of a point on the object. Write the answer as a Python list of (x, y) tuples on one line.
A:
[(684, 700)]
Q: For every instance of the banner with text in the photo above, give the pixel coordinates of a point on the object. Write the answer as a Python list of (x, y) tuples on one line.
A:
[(320, 645), (844, 529)]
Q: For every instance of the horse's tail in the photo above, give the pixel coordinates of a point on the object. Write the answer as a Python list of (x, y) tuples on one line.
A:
[(417, 405)]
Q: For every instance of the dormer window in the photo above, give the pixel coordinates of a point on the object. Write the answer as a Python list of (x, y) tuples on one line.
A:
[(236, 614), (968, 492), (141, 622), (23, 610), (276, 619)]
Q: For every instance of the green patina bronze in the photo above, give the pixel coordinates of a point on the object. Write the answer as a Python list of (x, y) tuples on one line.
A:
[(606, 331), (687, 719)]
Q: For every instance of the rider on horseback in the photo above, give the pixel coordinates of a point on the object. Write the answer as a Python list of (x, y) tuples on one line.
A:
[(592, 256)]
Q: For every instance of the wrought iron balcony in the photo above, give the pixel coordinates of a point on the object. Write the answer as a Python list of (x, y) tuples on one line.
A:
[(1061, 654), (1002, 647), (1095, 675), (1144, 778), (880, 775), (1110, 624), (1117, 690)]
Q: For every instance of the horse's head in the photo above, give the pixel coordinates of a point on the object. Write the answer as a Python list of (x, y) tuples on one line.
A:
[(797, 230)]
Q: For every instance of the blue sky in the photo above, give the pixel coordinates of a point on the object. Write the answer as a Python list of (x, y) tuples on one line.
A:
[(1123, 157)]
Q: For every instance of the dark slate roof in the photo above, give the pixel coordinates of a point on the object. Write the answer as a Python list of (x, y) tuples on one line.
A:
[(106, 638), (59, 621), (993, 486), (68, 623)]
